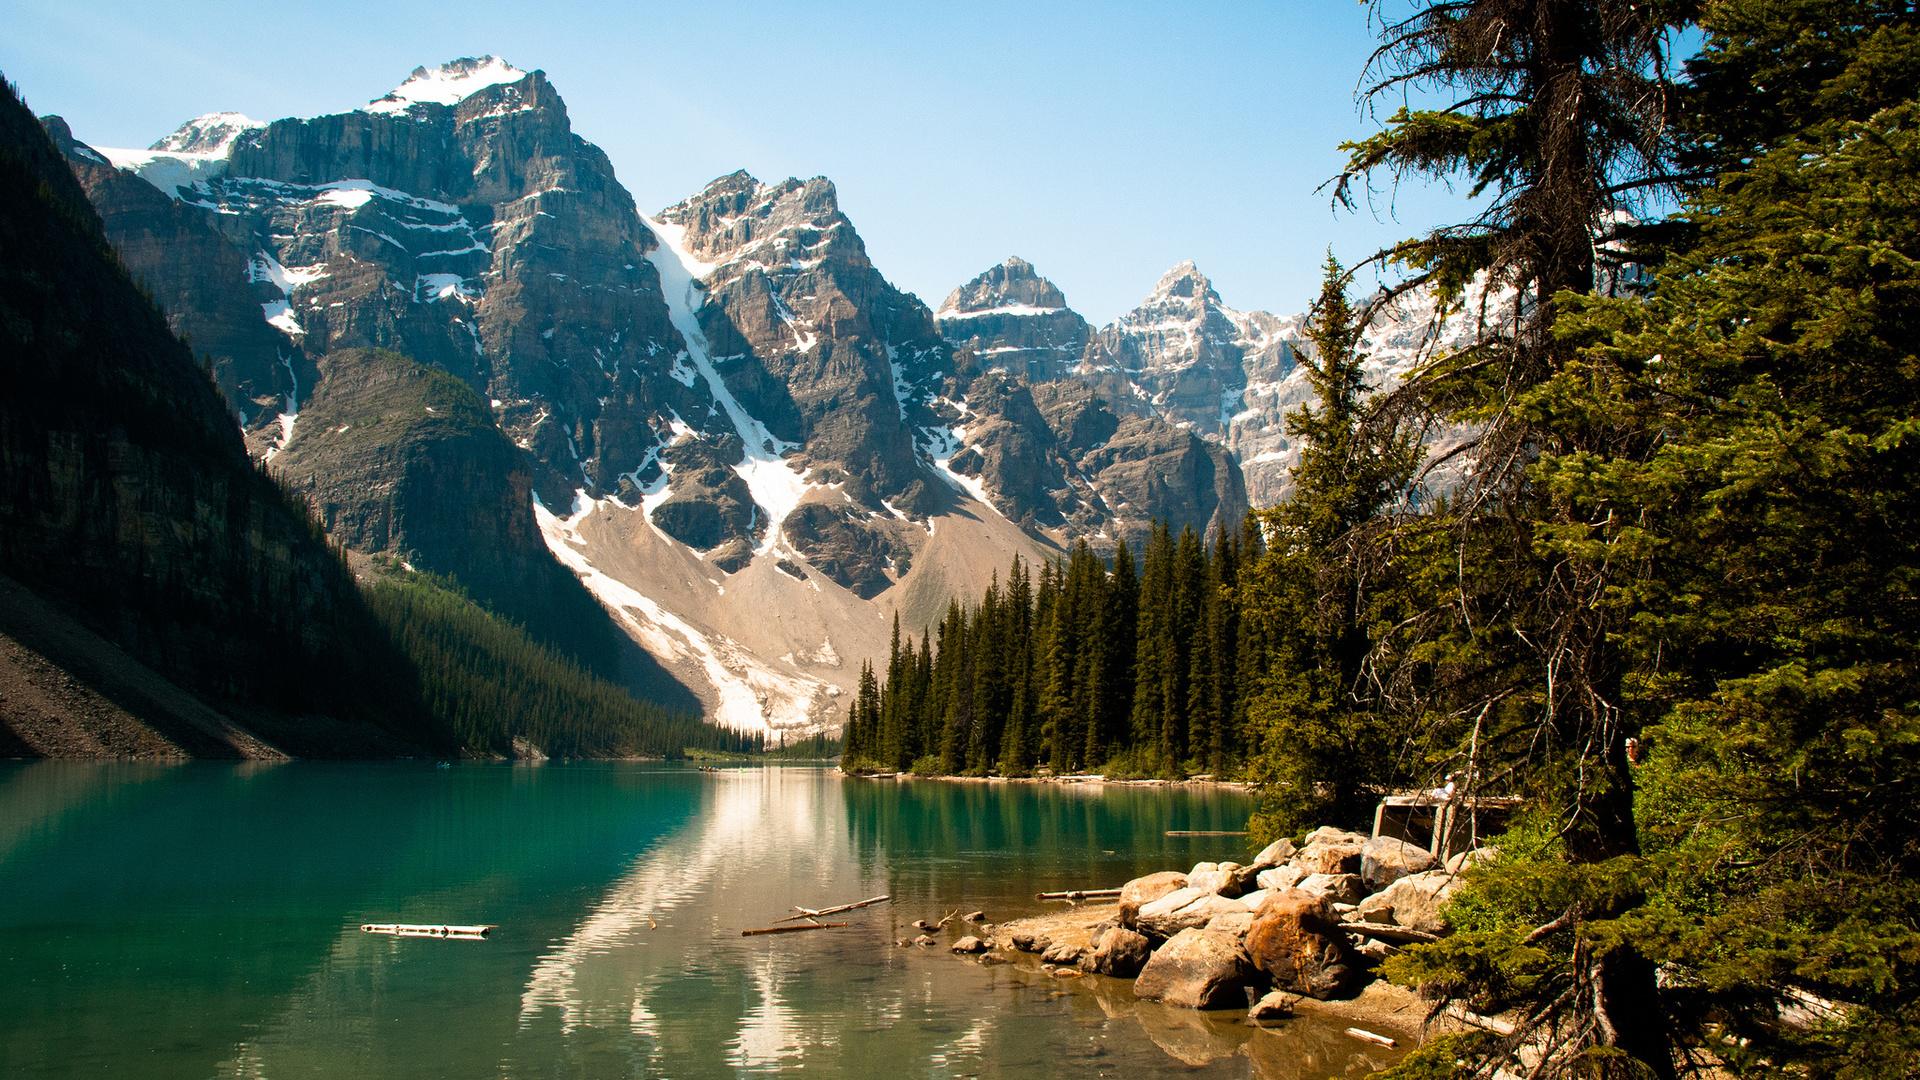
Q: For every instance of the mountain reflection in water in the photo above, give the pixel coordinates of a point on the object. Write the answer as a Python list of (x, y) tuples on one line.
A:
[(204, 920)]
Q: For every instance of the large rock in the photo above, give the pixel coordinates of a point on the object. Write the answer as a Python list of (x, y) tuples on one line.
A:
[(1197, 969), (1274, 854), (1185, 909), (1337, 888), (1472, 858), (1280, 877), (1417, 900), (1327, 834), (1063, 952), (1328, 858), (1226, 879), (1119, 952), (1145, 890), (1296, 941), (1385, 860)]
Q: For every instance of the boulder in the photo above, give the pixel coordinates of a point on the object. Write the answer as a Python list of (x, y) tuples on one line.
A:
[(1062, 953), (1417, 899), (1186, 909), (1472, 858), (1327, 834), (1225, 879), (1253, 900), (1274, 1005), (1274, 854), (1296, 941), (1119, 952), (924, 940), (1129, 914), (1145, 890), (1202, 868), (1196, 969), (969, 944), (1384, 860), (1236, 923), (1280, 877), (1375, 909), (1028, 942), (1328, 859), (1337, 888)]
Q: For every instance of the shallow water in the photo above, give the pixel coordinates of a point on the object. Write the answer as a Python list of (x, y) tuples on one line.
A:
[(202, 920)]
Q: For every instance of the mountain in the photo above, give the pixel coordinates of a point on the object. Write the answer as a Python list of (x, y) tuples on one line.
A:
[(722, 419), (147, 560)]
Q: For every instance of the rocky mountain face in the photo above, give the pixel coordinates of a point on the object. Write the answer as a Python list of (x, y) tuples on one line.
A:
[(128, 501), (404, 460), (1013, 318), (714, 413)]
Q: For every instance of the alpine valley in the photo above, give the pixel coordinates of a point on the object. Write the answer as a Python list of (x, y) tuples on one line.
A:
[(443, 321)]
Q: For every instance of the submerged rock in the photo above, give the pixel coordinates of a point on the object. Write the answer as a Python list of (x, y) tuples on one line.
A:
[(1118, 952)]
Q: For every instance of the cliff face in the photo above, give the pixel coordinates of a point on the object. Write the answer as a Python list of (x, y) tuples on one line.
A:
[(401, 459), (127, 495), (716, 413), (199, 278)]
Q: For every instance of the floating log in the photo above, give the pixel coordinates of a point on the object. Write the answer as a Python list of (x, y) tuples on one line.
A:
[(808, 913), (1078, 894), (1367, 1036), (1390, 932), (792, 929), (1201, 832), (429, 929)]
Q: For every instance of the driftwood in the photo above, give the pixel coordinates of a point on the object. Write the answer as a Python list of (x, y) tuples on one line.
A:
[(792, 929), (1389, 932), (1078, 894), (428, 930), (1368, 1036), (1192, 832), (809, 913)]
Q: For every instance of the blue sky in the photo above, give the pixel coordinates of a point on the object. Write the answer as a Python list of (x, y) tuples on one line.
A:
[(1102, 142)]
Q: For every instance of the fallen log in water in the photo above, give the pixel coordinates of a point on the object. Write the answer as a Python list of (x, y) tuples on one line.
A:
[(429, 929), (1078, 894), (1201, 832), (1368, 1036), (792, 929), (808, 913)]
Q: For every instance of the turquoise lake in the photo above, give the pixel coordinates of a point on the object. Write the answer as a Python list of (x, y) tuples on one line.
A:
[(203, 920)]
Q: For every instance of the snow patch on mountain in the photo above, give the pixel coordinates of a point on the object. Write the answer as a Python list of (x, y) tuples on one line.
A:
[(447, 84), (213, 133), (169, 171), (752, 696)]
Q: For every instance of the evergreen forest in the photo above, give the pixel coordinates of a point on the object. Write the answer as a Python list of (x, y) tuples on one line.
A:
[(1665, 589)]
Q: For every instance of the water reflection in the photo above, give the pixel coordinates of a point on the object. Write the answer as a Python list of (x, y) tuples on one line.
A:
[(200, 921)]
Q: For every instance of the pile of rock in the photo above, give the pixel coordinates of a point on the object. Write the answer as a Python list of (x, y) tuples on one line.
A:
[(1311, 921)]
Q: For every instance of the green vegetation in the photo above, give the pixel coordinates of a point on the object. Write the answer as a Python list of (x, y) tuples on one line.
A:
[(1669, 594), (488, 682), (1132, 673)]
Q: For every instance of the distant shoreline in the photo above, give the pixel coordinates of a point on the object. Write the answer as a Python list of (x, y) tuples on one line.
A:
[(1088, 780)]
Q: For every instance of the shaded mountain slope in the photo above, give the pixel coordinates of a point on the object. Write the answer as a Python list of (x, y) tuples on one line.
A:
[(127, 497)]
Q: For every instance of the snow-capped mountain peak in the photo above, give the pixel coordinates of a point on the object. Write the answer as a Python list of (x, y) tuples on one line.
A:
[(212, 134), (448, 84)]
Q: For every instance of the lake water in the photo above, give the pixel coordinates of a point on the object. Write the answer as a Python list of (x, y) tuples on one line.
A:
[(202, 920)]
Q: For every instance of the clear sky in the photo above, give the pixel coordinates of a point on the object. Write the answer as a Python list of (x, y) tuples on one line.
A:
[(1104, 142)]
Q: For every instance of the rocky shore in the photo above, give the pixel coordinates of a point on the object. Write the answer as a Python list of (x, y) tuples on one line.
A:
[(1298, 929)]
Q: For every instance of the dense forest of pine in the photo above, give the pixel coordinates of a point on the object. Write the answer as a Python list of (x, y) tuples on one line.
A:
[(1125, 670), (488, 682), (1667, 591)]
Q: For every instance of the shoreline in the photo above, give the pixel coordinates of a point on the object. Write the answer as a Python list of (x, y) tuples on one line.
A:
[(1090, 780)]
